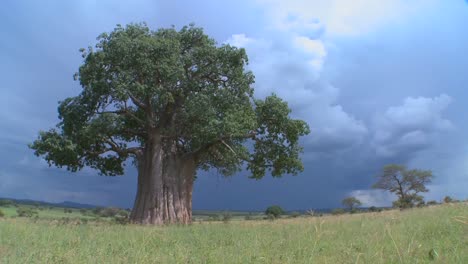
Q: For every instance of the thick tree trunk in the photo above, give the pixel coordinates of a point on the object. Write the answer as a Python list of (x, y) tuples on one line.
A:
[(165, 183)]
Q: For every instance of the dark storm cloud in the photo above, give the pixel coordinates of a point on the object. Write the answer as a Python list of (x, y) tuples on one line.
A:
[(393, 93)]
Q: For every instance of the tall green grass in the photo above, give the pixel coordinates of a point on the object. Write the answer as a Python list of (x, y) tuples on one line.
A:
[(437, 234)]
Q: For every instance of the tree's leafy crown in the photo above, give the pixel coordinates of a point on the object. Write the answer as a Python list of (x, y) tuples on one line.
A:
[(180, 86), (402, 181)]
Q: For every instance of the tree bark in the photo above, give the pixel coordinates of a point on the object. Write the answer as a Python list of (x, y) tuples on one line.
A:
[(165, 183)]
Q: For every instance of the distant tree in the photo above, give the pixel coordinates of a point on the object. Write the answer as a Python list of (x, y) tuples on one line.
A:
[(351, 203), (448, 199), (405, 183), (97, 210), (227, 216), (26, 212), (2, 214), (173, 101), (432, 202), (5, 202), (274, 211), (249, 217), (374, 209)]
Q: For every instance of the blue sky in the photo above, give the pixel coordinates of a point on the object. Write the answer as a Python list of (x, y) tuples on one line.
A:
[(377, 81)]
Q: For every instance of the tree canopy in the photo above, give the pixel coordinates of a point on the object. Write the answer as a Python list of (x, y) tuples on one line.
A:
[(184, 86), (351, 202), (405, 183)]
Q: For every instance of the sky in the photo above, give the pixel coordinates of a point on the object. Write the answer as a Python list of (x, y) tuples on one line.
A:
[(378, 82)]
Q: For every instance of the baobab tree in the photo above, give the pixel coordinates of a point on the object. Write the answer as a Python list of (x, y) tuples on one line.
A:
[(174, 102)]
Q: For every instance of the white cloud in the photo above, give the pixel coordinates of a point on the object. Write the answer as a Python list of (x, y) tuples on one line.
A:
[(377, 198), (290, 65), (411, 126), (239, 40), (344, 17)]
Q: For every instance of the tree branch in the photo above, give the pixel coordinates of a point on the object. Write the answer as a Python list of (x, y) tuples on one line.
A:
[(114, 146), (219, 140), (124, 111)]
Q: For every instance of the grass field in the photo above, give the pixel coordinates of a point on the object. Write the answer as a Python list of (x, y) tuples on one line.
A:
[(436, 234)]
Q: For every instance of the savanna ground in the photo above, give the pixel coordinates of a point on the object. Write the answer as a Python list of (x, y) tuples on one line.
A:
[(434, 234)]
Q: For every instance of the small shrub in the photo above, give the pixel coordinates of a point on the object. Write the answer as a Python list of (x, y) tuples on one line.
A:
[(432, 202), (2, 214), (213, 218), (110, 212), (448, 199), (421, 204), (83, 211), (226, 217), (269, 217), (121, 219), (375, 209), (26, 212), (295, 214), (97, 210), (248, 217), (338, 211), (6, 202), (274, 210)]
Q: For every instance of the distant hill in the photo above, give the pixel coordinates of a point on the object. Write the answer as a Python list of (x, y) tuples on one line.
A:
[(67, 204)]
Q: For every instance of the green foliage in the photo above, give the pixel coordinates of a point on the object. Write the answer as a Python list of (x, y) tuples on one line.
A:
[(226, 217), (338, 211), (2, 214), (26, 212), (351, 202), (274, 211), (214, 218), (6, 202), (110, 212), (390, 237), (180, 87), (248, 217), (121, 217), (448, 199), (432, 202), (405, 183), (295, 214), (270, 217), (375, 209)]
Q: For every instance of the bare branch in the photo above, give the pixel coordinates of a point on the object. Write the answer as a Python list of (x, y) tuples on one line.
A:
[(229, 147), (137, 101)]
